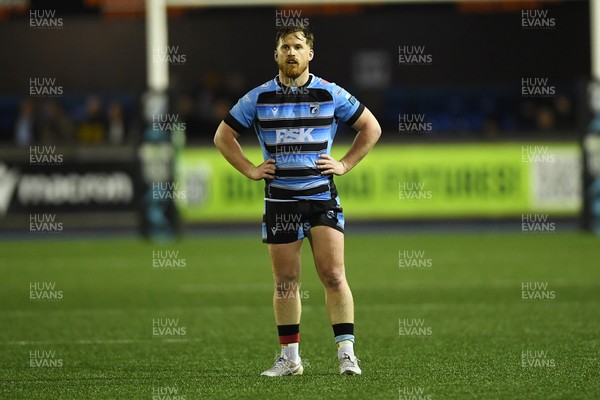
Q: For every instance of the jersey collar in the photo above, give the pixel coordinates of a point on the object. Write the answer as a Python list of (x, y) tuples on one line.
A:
[(308, 82)]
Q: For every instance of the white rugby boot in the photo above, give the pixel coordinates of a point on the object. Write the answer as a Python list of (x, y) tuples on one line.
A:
[(349, 365), (284, 367)]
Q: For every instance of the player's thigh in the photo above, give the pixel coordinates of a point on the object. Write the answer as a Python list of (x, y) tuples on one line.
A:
[(328, 251), (285, 260)]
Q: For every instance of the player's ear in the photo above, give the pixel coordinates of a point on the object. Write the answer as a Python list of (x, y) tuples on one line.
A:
[(311, 54), (275, 55)]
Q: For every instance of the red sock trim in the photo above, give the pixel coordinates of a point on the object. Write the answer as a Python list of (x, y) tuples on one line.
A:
[(295, 338)]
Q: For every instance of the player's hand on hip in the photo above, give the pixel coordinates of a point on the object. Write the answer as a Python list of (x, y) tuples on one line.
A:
[(265, 170), (329, 165)]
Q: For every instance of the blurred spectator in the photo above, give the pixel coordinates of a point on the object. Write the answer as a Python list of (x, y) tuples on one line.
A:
[(55, 127), (221, 109), (93, 129), (478, 113), (545, 119), (26, 124), (527, 115), (116, 124), (491, 127), (193, 123), (213, 101), (565, 119)]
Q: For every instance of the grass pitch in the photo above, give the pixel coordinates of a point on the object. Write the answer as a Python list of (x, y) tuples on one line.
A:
[(476, 338)]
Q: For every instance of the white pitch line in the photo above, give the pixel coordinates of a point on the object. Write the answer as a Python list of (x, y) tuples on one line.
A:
[(96, 341), (227, 288), (153, 312)]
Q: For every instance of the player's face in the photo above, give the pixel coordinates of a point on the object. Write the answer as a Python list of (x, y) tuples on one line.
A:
[(293, 54)]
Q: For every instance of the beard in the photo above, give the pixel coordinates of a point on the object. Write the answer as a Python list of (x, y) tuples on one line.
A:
[(292, 71)]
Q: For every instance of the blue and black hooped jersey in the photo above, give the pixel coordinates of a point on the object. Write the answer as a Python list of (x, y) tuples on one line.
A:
[(294, 125)]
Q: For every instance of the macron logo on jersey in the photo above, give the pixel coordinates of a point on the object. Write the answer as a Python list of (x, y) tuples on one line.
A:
[(294, 135)]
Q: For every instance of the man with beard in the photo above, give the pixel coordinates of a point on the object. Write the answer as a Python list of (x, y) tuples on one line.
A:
[(295, 116)]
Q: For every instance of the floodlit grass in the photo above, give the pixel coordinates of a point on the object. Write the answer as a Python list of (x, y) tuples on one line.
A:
[(469, 300)]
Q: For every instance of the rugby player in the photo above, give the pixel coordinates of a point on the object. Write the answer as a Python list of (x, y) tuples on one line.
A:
[(295, 116)]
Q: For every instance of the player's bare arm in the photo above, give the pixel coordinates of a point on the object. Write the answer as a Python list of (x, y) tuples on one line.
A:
[(368, 134), (226, 142)]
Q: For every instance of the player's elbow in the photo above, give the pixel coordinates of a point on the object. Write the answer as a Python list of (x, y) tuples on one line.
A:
[(219, 139), (224, 136), (375, 130), (378, 131)]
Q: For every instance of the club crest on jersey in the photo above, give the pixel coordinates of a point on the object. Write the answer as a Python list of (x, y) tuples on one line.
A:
[(314, 109), (294, 135)]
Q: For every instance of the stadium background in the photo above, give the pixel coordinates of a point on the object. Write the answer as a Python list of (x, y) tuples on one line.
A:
[(111, 190)]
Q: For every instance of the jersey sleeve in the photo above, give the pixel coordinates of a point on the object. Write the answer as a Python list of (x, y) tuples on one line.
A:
[(347, 108), (243, 113)]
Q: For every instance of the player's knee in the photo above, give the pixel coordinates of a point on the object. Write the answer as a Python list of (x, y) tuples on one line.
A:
[(333, 278), (286, 276)]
